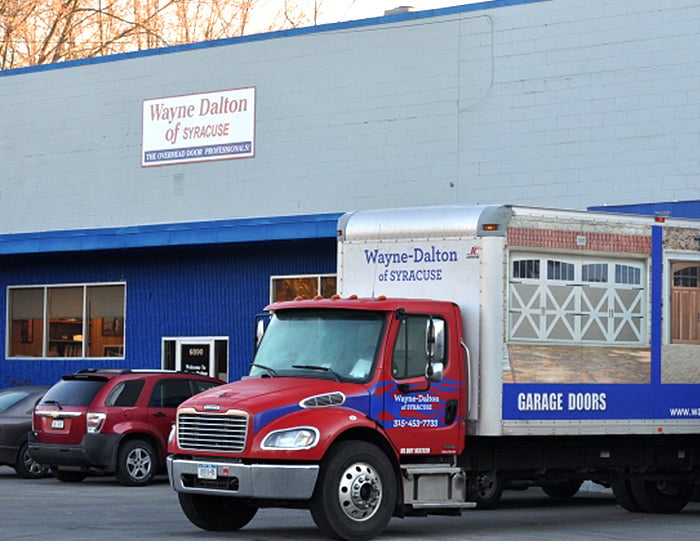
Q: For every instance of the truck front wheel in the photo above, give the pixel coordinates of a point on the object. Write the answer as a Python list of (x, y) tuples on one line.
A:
[(355, 493), (216, 513)]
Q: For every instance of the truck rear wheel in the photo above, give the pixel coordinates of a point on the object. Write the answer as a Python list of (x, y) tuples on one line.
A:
[(216, 513), (488, 489), (355, 493), (562, 490), (623, 494), (660, 497)]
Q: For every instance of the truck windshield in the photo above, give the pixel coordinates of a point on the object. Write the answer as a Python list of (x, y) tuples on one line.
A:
[(336, 344)]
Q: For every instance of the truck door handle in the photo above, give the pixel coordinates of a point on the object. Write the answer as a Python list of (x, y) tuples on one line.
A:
[(450, 411), (159, 414)]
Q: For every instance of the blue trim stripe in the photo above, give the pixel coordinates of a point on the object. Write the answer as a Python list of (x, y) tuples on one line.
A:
[(657, 263), (330, 27), (313, 226)]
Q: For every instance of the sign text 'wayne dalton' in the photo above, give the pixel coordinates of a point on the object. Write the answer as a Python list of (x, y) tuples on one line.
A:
[(199, 127)]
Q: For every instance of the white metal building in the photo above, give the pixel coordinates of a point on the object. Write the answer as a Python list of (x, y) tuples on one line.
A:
[(203, 177)]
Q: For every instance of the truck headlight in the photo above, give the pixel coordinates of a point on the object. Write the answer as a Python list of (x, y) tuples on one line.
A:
[(302, 437)]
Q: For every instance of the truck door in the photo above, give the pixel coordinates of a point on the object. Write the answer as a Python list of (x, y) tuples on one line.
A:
[(423, 417)]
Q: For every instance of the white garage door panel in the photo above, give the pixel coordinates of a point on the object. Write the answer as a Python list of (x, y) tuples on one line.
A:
[(560, 300)]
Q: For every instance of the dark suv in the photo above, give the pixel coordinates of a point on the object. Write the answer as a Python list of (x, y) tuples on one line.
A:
[(110, 421)]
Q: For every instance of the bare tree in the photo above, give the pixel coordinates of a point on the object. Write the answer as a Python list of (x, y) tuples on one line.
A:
[(47, 31)]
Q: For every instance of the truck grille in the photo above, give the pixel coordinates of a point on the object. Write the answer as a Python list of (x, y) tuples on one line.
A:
[(212, 432)]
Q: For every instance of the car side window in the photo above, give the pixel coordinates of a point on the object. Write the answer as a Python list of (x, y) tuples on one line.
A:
[(170, 393), (410, 358), (125, 394)]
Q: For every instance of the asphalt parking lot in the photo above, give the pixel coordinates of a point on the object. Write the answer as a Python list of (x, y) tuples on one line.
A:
[(101, 509)]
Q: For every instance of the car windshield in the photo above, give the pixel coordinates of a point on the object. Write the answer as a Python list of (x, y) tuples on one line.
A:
[(73, 392), (337, 344), (10, 398)]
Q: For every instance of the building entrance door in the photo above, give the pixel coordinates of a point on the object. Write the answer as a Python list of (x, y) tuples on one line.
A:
[(198, 355)]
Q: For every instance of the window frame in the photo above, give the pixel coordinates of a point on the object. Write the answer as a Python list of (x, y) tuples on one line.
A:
[(397, 337), (44, 331), (318, 277)]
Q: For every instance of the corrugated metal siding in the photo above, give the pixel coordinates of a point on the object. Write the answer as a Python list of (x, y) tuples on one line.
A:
[(190, 291)]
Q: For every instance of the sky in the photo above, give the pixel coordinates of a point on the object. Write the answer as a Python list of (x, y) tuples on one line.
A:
[(347, 10)]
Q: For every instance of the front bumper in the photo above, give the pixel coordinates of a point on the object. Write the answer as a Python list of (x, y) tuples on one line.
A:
[(95, 450), (260, 481)]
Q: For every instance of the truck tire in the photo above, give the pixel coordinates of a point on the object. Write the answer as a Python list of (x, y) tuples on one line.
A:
[(216, 513), (27, 467), (355, 493), (136, 463), (488, 489), (562, 490), (660, 497), (623, 494), (68, 476)]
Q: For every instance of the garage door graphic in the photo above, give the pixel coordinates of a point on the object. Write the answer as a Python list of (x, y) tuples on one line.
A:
[(584, 300)]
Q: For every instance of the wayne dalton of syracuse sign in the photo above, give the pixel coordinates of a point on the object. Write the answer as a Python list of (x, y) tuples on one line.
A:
[(199, 127)]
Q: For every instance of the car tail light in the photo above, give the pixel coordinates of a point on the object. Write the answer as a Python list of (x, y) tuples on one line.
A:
[(95, 422)]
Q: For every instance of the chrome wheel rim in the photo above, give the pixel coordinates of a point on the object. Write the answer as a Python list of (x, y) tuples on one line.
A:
[(138, 463), (360, 491)]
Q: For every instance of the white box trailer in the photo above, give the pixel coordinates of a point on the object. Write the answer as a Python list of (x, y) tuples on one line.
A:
[(577, 323)]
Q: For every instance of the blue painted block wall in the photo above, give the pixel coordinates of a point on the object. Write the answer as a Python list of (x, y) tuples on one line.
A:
[(184, 291)]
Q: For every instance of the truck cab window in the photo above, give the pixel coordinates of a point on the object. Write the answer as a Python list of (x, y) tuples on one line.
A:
[(409, 357)]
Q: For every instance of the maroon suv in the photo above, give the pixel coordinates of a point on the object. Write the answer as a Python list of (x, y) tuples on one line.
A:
[(110, 421)]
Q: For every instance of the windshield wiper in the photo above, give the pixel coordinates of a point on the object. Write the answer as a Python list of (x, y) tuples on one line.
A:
[(323, 368), (270, 371), (56, 402)]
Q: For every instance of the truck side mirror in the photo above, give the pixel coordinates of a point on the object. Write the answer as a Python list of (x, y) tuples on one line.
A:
[(435, 349), (259, 329)]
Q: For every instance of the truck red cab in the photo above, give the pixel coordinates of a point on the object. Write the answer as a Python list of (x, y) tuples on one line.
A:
[(354, 382)]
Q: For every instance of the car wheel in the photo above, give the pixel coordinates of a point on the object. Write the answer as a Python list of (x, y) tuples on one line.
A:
[(68, 476), (216, 513), (355, 493), (27, 467), (136, 464)]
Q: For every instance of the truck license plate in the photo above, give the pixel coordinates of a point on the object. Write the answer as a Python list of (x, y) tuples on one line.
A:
[(206, 471), (57, 424)]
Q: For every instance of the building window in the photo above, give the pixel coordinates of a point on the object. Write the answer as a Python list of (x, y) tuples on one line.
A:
[(287, 288), (687, 277), (595, 272), (559, 270), (66, 321), (526, 268)]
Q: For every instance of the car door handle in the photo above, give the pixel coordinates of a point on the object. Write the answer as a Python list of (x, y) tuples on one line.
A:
[(159, 414)]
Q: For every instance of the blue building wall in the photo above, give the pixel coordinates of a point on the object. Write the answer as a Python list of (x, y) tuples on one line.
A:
[(213, 290)]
